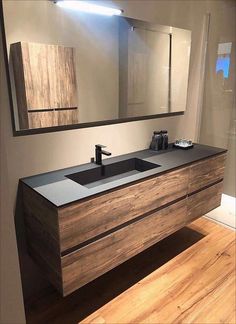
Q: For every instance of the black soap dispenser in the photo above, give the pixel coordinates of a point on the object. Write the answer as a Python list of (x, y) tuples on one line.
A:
[(156, 143)]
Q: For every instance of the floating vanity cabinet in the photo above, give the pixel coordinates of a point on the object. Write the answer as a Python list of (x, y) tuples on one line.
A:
[(45, 84), (77, 242), (205, 200)]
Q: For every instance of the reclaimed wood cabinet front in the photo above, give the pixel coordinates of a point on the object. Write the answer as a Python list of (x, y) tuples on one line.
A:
[(79, 242), (84, 220)]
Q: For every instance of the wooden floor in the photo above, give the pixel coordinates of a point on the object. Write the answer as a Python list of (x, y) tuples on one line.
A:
[(188, 277)]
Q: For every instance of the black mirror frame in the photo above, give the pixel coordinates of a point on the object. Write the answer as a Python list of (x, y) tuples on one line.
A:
[(33, 131)]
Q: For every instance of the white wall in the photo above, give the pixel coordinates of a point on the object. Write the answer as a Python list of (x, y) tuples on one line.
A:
[(28, 155)]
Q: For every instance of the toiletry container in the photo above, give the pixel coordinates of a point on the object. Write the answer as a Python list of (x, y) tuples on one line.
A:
[(164, 134), (156, 143)]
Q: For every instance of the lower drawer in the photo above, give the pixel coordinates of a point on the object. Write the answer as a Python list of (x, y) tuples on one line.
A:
[(93, 260), (204, 201)]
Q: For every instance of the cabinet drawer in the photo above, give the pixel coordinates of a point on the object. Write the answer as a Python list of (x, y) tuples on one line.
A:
[(82, 221), (93, 260), (206, 172), (204, 201)]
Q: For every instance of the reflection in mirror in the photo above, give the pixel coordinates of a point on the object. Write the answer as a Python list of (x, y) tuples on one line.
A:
[(69, 67), (144, 68), (223, 59)]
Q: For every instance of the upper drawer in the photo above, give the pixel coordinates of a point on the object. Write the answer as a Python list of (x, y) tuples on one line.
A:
[(81, 221), (206, 172)]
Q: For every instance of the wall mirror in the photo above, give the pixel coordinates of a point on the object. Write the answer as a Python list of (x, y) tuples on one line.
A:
[(70, 69)]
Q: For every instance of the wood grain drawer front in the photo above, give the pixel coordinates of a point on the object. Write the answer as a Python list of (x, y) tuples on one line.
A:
[(85, 220), (93, 260), (204, 201), (206, 172)]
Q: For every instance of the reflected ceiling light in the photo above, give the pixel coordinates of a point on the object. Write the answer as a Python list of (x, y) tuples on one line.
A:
[(88, 7)]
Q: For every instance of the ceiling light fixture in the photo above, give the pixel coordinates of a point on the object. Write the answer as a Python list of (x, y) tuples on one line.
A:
[(88, 7)]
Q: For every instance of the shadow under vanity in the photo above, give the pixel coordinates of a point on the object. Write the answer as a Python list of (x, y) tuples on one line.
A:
[(80, 224)]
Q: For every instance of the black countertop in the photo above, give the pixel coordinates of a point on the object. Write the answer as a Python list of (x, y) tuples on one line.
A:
[(59, 190)]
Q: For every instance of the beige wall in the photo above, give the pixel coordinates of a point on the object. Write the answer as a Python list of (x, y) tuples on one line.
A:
[(25, 156)]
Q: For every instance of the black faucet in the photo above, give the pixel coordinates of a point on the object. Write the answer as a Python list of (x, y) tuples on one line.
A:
[(99, 152)]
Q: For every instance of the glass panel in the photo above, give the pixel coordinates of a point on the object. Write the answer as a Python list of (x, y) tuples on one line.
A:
[(218, 125)]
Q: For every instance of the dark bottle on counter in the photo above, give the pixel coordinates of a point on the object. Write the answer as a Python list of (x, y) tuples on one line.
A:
[(156, 143), (164, 139)]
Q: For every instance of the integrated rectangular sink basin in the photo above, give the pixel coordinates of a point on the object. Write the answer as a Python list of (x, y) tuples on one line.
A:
[(111, 172)]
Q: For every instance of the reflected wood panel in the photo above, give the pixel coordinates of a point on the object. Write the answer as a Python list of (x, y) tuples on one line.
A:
[(45, 79)]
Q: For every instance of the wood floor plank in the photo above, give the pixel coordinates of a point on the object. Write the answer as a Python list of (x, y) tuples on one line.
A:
[(197, 286), (186, 278)]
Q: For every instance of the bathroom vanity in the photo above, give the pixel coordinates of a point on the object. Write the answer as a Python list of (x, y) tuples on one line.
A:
[(83, 221)]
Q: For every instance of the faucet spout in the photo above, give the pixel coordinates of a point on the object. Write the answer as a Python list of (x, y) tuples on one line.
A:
[(106, 153)]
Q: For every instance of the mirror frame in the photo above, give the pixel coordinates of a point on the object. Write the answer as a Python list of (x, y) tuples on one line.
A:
[(63, 127)]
